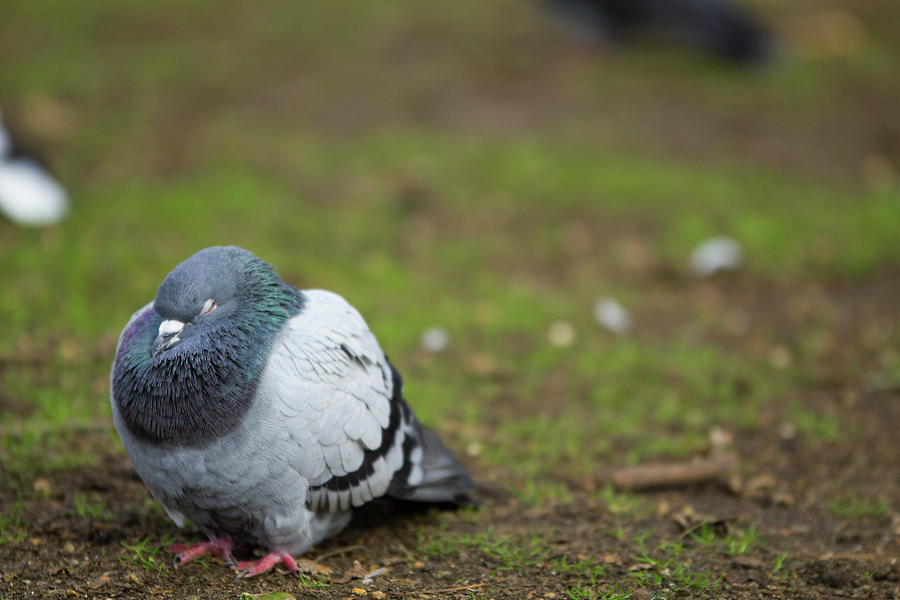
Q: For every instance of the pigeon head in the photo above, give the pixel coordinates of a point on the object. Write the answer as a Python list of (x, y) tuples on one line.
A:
[(201, 294), (186, 370)]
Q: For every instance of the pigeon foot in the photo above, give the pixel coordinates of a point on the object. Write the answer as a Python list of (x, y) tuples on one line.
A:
[(220, 547), (252, 568)]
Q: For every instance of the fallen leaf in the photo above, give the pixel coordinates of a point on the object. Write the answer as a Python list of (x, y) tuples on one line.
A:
[(357, 571), (310, 567), (763, 481), (42, 485), (782, 499), (99, 582)]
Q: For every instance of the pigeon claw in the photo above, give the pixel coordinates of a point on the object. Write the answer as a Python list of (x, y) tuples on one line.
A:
[(220, 547), (252, 568)]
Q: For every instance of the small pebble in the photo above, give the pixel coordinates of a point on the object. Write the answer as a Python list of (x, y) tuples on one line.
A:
[(435, 339), (787, 431), (780, 357), (68, 548), (378, 595), (561, 334), (473, 448), (358, 592), (719, 438)]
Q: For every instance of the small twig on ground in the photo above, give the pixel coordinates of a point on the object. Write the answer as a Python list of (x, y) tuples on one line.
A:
[(677, 474), (458, 588), (337, 551)]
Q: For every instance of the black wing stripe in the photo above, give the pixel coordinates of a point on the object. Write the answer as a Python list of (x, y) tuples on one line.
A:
[(399, 414)]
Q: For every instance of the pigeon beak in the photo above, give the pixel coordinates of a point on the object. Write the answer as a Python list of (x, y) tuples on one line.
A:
[(168, 335), (170, 327)]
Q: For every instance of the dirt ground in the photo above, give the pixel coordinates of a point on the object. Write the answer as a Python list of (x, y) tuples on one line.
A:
[(808, 548)]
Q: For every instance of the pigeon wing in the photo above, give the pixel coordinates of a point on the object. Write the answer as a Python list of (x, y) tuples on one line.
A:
[(338, 408)]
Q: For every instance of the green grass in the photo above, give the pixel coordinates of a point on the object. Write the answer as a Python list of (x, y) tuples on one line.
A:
[(667, 567), (590, 574), (12, 527), (734, 541), (504, 553), (583, 591), (89, 508), (148, 554), (779, 565), (631, 398), (855, 508)]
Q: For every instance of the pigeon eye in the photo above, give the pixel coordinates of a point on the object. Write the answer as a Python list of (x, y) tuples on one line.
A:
[(208, 307)]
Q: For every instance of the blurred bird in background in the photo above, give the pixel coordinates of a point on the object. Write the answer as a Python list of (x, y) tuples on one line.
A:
[(29, 195), (722, 28)]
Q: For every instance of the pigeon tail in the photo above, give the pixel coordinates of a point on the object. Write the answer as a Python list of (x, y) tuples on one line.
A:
[(444, 480)]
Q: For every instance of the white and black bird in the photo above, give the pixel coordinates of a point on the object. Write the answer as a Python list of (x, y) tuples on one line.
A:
[(29, 195), (265, 414)]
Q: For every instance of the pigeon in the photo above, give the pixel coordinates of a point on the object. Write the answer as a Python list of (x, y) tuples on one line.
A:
[(29, 195), (265, 414), (720, 27)]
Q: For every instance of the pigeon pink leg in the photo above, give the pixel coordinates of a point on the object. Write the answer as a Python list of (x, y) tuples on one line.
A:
[(252, 568), (220, 547)]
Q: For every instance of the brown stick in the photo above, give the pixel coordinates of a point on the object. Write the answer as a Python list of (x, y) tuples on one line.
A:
[(343, 550), (458, 588), (677, 474)]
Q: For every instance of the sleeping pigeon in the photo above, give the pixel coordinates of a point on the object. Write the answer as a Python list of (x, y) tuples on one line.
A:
[(265, 414)]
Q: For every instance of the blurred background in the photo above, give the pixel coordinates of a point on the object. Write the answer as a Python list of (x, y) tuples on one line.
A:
[(514, 194)]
